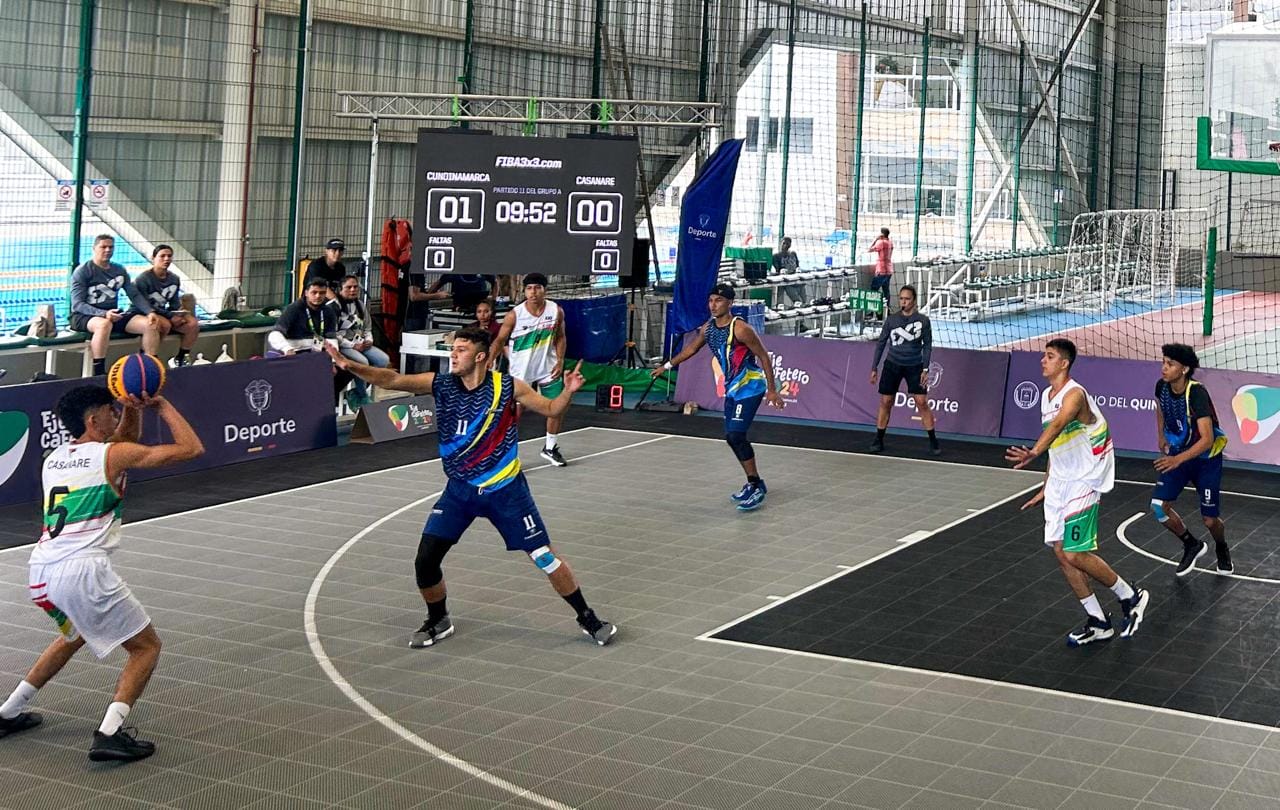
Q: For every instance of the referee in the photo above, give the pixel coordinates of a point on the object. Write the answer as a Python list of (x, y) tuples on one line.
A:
[(909, 337)]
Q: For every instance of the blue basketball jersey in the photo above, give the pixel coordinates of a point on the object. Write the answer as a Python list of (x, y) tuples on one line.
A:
[(479, 443), (743, 376)]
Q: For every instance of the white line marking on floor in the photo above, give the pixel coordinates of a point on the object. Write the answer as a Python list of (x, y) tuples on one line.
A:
[(921, 534), (322, 658), (1123, 537)]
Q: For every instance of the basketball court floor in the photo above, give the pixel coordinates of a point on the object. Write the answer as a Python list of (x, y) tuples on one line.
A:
[(886, 632)]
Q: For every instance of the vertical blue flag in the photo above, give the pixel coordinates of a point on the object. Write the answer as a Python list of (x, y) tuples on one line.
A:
[(704, 218)]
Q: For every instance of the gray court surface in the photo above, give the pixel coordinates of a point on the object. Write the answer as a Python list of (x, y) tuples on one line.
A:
[(286, 681)]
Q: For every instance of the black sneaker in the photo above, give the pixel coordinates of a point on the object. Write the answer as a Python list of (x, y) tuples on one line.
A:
[(935, 449), (123, 746), (600, 631), (1191, 553), (19, 722), (1224, 558), (1135, 607), (432, 632), (553, 456), (1093, 630), (877, 446)]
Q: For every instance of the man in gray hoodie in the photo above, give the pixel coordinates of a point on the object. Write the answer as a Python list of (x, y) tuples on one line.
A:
[(95, 292)]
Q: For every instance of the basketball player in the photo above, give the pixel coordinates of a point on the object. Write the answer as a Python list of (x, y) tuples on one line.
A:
[(909, 337), (1082, 466), (71, 577), (748, 378), (476, 412), (1191, 445), (536, 330)]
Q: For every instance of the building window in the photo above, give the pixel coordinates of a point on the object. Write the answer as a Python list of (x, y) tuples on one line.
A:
[(801, 139)]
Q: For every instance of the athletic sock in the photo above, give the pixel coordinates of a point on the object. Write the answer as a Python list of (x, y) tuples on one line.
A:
[(1188, 539), (551, 441), (181, 356), (753, 479), (437, 610), (1122, 589), (933, 438), (114, 719), (18, 701), (1091, 606), (99, 367), (880, 434), (578, 602)]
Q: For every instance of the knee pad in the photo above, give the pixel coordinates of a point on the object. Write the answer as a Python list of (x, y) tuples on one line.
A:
[(740, 446), (545, 559), (426, 566), (1157, 509)]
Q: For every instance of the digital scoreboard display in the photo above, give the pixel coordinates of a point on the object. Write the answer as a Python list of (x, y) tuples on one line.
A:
[(505, 204)]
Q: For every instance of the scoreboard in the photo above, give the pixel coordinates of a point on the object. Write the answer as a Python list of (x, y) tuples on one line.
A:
[(506, 204)]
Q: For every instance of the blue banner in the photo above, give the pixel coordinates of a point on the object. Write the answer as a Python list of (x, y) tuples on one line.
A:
[(704, 218)]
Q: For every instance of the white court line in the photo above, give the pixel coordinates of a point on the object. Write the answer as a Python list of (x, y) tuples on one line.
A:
[(917, 536), (847, 569), (322, 658), (326, 483), (901, 458), (1124, 538)]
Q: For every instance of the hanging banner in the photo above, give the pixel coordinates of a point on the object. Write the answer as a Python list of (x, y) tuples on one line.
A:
[(241, 411), (829, 380), (704, 218)]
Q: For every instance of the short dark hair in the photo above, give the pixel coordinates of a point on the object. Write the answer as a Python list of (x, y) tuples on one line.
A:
[(103, 237), (349, 277), (1064, 347), (77, 402), (156, 251), (535, 278), (476, 337), (907, 287), (884, 231), (317, 281), (1183, 354)]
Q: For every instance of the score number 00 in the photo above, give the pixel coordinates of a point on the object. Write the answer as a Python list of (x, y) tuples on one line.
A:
[(595, 212)]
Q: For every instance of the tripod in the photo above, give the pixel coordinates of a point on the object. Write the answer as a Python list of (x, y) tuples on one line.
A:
[(628, 356)]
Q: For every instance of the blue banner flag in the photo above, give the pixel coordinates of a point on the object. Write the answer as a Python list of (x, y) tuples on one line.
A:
[(704, 218)]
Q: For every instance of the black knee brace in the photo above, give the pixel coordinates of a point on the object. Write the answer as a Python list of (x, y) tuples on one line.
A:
[(426, 566), (740, 446)]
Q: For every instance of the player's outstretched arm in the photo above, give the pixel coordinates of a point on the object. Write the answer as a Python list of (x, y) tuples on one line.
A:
[(186, 445), (383, 377), (526, 396), (1071, 409), (691, 348)]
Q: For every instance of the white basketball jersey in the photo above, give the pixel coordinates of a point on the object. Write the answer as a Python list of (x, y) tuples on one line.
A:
[(1081, 452), (81, 509), (532, 345)]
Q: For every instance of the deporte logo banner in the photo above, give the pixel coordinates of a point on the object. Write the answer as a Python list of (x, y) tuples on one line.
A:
[(241, 411)]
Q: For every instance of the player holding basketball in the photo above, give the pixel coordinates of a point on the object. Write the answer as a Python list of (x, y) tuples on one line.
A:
[(748, 379), (71, 577), (1191, 445), (479, 446), (1082, 466)]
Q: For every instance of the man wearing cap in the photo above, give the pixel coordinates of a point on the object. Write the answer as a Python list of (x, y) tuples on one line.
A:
[(744, 376), (330, 268), (536, 331)]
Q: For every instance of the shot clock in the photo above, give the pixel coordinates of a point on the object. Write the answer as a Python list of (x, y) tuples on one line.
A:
[(506, 204)]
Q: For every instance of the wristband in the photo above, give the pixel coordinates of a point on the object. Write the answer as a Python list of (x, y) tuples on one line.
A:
[(667, 365)]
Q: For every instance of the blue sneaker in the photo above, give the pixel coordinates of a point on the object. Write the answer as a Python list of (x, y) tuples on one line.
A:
[(744, 493), (754, 500)]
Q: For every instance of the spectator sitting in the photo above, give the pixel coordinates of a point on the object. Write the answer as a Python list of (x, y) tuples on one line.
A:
[(330, 267), (485, 320), (95, 291), (163, 290), (786, 261), (467, 290), (354, 338), (305, 325)]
